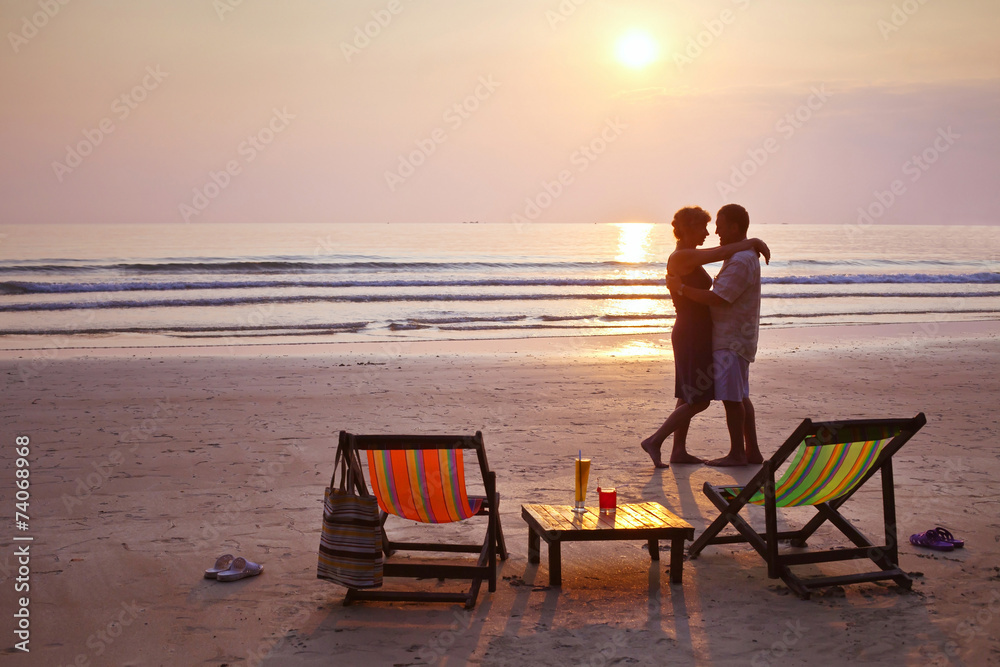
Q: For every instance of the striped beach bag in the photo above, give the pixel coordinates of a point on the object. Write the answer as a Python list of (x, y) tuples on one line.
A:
[(350, 546)]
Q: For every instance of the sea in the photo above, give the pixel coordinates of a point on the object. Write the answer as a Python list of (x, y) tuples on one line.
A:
[(154, 285)]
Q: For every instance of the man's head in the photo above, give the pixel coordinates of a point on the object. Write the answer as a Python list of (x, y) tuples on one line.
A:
[(731, 223)]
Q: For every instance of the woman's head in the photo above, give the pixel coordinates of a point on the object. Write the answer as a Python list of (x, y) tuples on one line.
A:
[(691, 224)]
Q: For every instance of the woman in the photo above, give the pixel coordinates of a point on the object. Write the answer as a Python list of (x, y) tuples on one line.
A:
[(692, 334)]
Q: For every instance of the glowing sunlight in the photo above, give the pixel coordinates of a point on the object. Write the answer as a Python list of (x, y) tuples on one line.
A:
[(637, 49), (634, 240)]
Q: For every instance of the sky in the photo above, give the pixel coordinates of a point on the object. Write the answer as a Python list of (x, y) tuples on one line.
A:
[(202, 111)]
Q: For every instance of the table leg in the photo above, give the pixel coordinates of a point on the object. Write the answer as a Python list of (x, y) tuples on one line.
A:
[(654, 549), (555, 563), (676, 559), (533, 550)]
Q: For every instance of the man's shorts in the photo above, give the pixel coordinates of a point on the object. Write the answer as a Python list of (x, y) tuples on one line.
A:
[(732, 376)]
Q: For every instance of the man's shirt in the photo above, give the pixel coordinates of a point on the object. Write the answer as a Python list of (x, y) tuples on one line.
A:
[(734, 327)]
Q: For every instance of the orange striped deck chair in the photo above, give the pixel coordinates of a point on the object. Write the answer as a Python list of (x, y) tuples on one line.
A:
[(824, 464), (422, 478)]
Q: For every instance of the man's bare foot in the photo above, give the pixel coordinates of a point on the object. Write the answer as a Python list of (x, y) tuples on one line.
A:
[(685, 459), (754, 459), (728, 461), (654, 453)]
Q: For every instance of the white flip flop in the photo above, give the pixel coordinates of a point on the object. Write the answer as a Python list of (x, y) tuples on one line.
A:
[(221, 565), (239, 569)]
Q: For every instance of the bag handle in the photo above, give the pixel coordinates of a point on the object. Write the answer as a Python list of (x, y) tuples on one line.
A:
[(348, 463), (357, 478)]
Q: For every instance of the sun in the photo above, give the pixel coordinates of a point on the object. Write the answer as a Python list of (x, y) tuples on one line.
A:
[(637, 49)]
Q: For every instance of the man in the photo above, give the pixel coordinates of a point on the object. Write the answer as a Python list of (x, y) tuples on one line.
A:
[(735, 303)]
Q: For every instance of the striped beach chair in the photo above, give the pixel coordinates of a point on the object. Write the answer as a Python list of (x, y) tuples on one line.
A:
[(422, 478), (829, 462)]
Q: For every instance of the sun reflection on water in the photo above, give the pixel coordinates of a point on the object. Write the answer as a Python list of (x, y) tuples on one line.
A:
[(635, 241), (636, 247)]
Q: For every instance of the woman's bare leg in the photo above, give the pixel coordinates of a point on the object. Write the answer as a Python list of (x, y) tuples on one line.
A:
[(677, 423), (679, 453)]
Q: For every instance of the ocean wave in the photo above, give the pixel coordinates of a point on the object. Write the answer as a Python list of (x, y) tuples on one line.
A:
[(433, 298), (24, 287), (593, 324), (879, 313), (17, 287), (431, 321), (981, 278), (217, 330), (534, 326), (295, 266), (361, 298), (880, 261), (302, 264)]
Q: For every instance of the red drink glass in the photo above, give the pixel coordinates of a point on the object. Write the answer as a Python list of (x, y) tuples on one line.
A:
[(607, 500)]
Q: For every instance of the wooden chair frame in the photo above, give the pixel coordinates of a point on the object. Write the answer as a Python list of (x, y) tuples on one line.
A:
[(885, 556), (492, 546)]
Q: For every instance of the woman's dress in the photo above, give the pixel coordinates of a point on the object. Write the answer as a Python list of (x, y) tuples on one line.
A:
[(692, 341)]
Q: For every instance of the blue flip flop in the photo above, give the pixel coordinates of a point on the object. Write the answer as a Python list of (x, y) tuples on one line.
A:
[(931, 541), (943, 535)]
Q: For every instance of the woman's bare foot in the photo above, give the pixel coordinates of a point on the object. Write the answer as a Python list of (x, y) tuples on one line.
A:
[(685, 459), (729, 461), (654, 453)]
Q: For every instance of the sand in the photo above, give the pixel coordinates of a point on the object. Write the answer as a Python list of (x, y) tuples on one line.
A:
[(147, 464)]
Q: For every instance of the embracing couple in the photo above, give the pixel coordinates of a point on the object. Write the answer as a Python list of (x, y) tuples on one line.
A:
[(715, 332)]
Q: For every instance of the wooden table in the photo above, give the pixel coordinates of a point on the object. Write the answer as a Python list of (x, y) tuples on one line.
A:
[(645, 521)]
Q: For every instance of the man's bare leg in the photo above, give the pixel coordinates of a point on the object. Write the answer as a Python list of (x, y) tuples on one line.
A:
[(735, 420), (750, 433), (679, 418)]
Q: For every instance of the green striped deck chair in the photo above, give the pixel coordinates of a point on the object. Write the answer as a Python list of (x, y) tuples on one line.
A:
[(421, 478), (827, 462)]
